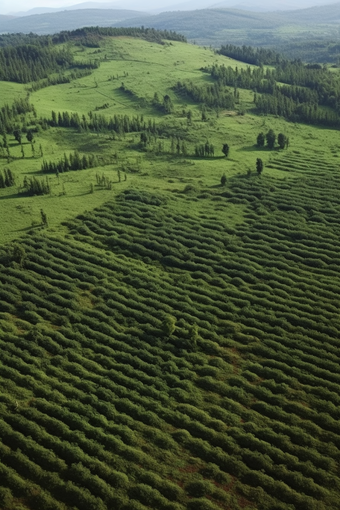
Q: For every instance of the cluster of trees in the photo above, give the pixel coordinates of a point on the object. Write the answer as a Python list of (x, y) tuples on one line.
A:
[(279, 104), (7, 178), (165, 105), (250, 55), (104, 182), (205, 150), (72, 162), (214, 95), (11, 115), (34, 186), (292, 90), (30, 62), (96, 33), (98, 122), (270, 138)]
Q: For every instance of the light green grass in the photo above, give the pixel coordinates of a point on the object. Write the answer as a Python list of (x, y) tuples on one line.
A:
[(10, 91), (145, 68)]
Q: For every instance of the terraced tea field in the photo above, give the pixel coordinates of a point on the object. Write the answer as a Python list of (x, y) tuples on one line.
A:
[(152, 359)]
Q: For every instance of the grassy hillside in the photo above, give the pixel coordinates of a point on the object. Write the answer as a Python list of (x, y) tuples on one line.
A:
[(168, 338)]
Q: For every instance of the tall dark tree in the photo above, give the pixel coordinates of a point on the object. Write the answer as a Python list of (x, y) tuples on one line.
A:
[(30, 136), (167, 104), (260, 140), (17, 135), (223, 180), (225, 149), (281, 140), (271, 138), (259, 166)]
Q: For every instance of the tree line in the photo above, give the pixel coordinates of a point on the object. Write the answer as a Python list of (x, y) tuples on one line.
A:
[(293, 90), (250, 55), (29, 62), (7, 178), (150, 34), (72, 162), (213, 95), (11, 114)]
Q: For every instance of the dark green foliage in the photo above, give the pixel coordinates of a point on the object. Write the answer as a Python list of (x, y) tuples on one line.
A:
[(30, 62), (7, 178), (259, 166), (9, 115), (214, 95), (204, 150), (72, 162), (270, 138), (34, 186), (250, 55), (96, 33), (281, 140), (225, 149), (260, 141)]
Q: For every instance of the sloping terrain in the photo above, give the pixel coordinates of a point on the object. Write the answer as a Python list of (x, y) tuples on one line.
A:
[(169, 314)]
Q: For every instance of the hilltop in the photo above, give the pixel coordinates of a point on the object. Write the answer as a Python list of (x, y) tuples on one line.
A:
[(306, 33)]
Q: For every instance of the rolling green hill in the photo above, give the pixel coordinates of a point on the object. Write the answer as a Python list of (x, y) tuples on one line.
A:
[(169, 306)]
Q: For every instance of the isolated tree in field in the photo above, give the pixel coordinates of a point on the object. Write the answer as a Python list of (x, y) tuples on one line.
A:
[(167, 104), (260, 140), (43, 218), (223, 180), (259, 166), (281, 140), (225, 149), (30, 136), (17, 135), (271, 137)]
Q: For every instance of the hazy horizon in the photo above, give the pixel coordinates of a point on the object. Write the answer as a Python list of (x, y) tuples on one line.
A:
[(20, 6)]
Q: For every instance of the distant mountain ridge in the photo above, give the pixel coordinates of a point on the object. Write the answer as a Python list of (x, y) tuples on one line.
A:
[(51, 23), (214, 26)]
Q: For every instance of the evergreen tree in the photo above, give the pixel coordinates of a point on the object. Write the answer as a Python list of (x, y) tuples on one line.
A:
[(260, 140), (30, 136), (225, 149), (281, 140), (271, 138), (43, 218), (17, 135), (223, 180), (259, 166)]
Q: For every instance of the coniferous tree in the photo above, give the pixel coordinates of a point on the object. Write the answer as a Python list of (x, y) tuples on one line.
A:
[(260, 141), (259, 166), (225, 149), (271, 138), (281, 140)]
